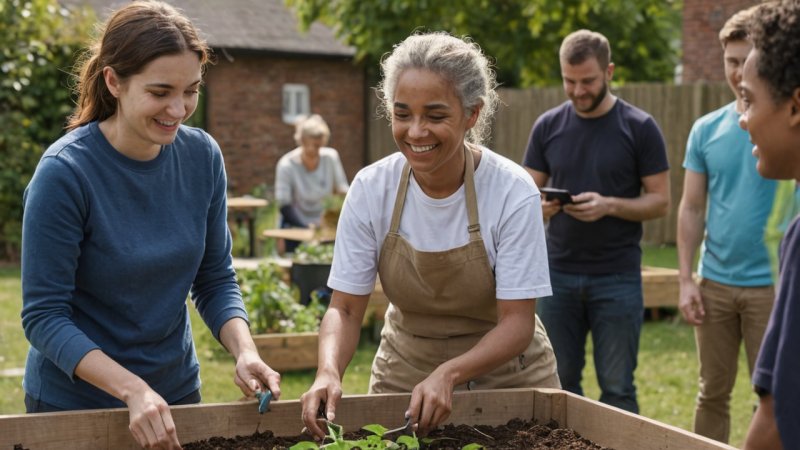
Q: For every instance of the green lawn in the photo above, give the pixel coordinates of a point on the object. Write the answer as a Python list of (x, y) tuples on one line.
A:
[(666, 377)]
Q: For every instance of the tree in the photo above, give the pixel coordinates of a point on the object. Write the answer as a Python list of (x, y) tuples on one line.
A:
[(38, 39), (523, 36)]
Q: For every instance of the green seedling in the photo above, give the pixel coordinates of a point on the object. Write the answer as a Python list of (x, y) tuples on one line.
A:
[(335, 440)]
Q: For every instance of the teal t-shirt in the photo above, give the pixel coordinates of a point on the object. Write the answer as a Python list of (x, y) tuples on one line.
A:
[(739, 201)]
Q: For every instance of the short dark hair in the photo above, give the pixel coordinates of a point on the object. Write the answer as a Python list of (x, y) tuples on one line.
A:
[(581, 45), (775, 31)]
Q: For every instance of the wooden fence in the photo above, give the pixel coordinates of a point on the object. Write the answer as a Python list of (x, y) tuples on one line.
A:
[(674, 107)]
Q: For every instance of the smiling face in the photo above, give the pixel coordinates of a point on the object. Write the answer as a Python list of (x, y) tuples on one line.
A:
[(429, 126), (153, 103), (734, 57), (586, 85), (774, 127)]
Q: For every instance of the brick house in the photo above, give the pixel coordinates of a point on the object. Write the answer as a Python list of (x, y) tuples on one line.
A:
[(702, 20), (266, 73)]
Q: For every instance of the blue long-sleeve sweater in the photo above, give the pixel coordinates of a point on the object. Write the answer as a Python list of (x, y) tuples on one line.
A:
[(111, 248)]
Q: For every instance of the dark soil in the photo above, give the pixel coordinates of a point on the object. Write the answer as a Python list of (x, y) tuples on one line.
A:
[(516, 434)]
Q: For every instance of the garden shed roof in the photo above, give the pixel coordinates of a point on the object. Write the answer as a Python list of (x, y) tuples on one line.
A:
[(257, 25)]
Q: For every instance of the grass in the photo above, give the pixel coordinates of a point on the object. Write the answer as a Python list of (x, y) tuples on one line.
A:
[(666, 377)]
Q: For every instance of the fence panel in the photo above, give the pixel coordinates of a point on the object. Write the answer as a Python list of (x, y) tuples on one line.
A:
[(674, 107)]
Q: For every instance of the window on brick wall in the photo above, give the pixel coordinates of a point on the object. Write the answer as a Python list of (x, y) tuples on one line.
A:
[(295, 102)]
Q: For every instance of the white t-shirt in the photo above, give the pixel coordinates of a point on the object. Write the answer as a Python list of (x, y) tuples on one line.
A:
[(296, 186), (509, 210)]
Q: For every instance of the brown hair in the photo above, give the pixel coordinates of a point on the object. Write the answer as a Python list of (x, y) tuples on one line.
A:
[(581, 45), (735, 29), (133, 36)]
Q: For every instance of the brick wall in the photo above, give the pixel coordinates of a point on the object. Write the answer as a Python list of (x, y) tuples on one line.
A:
[(702, 53), (244, 102)]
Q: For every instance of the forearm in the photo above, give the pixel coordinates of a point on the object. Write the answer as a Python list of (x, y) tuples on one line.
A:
[(649, 205), (235, 336), (339, 334), (99, 370), (691, 227), (763, 433)]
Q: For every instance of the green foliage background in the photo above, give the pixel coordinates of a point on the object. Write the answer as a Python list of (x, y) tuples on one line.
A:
[(522, 35), (38, 43)]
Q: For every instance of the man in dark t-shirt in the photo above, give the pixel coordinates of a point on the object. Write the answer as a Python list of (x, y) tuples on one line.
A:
[(612, 158), (770, 90)]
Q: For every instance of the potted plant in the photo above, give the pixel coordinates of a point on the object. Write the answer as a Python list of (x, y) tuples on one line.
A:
[(311, 265), (284, 330)]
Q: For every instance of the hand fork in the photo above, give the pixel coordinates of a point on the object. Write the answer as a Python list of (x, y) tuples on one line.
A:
[(405, 429)]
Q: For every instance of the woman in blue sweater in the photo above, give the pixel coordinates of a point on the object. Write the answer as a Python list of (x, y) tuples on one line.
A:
[(125, 216)]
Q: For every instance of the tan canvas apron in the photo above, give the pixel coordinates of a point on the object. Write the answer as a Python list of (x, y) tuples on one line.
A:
[(442, 304)]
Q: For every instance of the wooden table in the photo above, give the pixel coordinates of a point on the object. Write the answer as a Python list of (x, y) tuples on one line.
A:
[(244, 209), (299, 234), (660, 287)]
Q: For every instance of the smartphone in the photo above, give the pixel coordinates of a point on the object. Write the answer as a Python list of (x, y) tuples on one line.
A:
[(562, 195)]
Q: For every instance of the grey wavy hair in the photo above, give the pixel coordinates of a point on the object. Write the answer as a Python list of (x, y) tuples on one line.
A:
[(458, 60)]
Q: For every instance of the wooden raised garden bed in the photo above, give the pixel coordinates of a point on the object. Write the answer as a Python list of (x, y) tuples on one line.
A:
[(297, 351), (660, 287), (108, 428)]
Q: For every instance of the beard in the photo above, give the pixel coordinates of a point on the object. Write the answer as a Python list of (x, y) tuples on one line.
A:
[(596, 100)]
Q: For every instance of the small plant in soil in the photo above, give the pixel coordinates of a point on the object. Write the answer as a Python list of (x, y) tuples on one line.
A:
[(375, 440), (515, 435)]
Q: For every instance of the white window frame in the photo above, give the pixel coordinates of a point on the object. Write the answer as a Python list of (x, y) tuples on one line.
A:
[(296, 102)]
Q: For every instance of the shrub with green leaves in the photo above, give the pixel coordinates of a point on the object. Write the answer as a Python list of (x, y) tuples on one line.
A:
[(274, 305), (39, 40), (313, 253)]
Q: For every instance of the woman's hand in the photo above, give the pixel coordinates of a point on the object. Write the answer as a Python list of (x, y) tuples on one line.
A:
[(150, 418), (432, 401), (319, 403), (253, 374), (151, 421)]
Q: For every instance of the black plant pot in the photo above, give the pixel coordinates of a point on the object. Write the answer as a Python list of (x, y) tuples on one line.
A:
[(310, 277)]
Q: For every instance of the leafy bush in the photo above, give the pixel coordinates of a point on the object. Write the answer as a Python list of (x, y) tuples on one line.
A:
[(313, 253), (39, 40), (273, 305)]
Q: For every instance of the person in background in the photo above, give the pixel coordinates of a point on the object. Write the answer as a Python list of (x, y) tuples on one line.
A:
[(611, 156), (305, 176), (770, 91), (455, 232), (726, 205), (124, 217)]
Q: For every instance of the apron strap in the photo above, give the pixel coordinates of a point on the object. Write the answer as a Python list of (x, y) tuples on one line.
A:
[(400, 198), (474, 227)]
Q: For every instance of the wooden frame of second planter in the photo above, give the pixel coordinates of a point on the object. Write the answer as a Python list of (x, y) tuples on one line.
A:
[(298, 351)]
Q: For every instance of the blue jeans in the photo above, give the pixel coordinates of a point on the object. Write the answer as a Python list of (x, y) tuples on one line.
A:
[(611, 307)]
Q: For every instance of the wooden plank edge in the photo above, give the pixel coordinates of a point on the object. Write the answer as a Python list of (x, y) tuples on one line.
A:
[(622, 430)]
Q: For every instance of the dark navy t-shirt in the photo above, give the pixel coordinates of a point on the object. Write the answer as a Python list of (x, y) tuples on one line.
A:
[(608, 155), (778, 366)]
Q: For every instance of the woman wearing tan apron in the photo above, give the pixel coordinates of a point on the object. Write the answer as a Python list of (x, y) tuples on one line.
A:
[(455, 232)]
